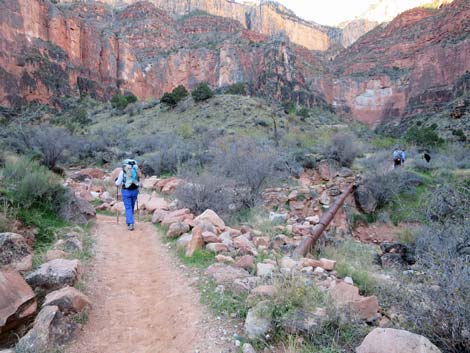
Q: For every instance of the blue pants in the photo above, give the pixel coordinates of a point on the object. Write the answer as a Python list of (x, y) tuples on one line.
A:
[(129, 197)]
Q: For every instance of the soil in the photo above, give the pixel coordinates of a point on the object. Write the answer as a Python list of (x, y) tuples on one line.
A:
[(143, 302)]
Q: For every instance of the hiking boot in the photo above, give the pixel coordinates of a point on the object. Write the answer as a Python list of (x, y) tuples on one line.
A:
[(130, 227)]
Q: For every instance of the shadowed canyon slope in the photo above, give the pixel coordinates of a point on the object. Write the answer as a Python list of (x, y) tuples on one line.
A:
[(396, 70)]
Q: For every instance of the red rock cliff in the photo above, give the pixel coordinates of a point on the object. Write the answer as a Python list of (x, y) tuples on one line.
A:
[(405, 68)]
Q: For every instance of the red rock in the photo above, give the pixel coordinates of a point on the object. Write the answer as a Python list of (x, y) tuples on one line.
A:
[(243, 244), (225, 274), (154, 203), (211, 217), (264, 291), (328, 265), (176, 229), (177, 216), (261, 241), (93, 173), (158, 216), (247, 262), (346, 294), (171, 186), (210, 237), (216, 247), (68, 299), (224, 259), (196, 242), (17, 300), (310, 263)]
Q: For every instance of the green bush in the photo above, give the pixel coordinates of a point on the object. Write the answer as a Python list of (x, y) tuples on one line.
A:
[(202, 92), (28, 185), (236, 88), (288, 106), (180, 93), (169, 99), (303, 112), (35, 195), (174, 97), (425, 137), (120, 101)]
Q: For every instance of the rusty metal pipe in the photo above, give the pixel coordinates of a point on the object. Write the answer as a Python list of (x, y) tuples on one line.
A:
[(325, 220)]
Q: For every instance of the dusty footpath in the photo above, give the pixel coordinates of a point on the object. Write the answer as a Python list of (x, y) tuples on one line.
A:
[(142, 301)]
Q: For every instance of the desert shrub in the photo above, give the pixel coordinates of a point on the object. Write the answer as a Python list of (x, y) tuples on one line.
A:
[(289, 107), (387, 186), (460, 134), (169, 99), (174, 97), (236, 88), (443, 255), (249, 163), (202, 92), (303, 112), (449, 201), (180, 92), (120, 101), (342, 147), (205, 192), (425, 137), (376, 162), (27, 185), (50, 145)]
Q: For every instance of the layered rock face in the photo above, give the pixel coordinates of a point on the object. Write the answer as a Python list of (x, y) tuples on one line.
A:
[(267, 18), (405, 68), (402, 69), (84, 48)]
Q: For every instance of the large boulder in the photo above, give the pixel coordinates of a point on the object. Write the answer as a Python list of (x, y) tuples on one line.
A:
[(68, 299), (328, 169), (365, 199), (15, 253), (176, 229), (225, 274), (388, 340), (152, 203), (17, 300), (55, 274), (258, 321), (78, 210), (196, 242), (177, 216), (50, 328), (345, 294), (209, 216)]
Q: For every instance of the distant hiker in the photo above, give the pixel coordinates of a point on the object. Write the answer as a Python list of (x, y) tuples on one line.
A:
[(399, 157), (129, 178)]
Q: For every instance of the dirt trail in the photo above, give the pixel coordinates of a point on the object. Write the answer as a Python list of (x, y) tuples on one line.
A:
[(142, 302)]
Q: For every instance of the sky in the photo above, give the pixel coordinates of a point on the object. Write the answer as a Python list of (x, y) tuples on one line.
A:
[(327, 12)]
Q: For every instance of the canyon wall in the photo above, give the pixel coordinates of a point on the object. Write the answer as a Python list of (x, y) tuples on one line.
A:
[(402, 69)]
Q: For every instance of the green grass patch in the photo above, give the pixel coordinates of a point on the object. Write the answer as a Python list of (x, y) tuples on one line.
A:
[(354, 260), (223, 302), (47, 223), (409, 207), (384, 142), (200, 259)]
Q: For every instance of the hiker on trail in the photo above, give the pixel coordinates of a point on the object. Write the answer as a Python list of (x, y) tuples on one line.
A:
[(129, 178), (399, 157)]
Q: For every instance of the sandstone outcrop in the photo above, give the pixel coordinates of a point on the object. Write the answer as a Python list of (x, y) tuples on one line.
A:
[(17, 301)]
